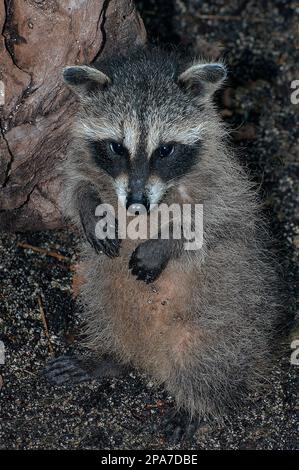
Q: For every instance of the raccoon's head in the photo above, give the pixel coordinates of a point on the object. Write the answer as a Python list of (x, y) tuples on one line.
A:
[(146, 119)]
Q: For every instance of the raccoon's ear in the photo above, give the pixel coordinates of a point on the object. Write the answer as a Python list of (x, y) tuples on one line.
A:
[(203, 79), (83, 79)]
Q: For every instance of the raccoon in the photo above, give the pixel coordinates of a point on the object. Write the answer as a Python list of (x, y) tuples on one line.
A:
[(198, 322)]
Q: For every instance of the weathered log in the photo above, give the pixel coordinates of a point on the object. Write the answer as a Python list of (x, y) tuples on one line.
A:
[(40, 37)]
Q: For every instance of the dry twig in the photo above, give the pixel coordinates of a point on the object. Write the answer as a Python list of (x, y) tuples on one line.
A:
[(44, 251)]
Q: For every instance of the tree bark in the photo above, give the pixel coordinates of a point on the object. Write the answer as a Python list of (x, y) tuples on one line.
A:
[(40, 37)]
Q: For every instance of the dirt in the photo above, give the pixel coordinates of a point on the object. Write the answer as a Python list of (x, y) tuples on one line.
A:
[(258, 40)]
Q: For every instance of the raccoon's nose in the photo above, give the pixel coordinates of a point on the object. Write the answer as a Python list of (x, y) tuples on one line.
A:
[(137, 204)]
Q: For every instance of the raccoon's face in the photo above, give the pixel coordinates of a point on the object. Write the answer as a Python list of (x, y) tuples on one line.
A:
[(145, 120)]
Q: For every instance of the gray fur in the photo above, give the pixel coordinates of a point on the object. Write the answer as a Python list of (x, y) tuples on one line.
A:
[(204, 328)]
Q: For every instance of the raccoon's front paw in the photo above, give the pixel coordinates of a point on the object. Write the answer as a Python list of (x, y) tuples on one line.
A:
[(108, 246), (148, 261)]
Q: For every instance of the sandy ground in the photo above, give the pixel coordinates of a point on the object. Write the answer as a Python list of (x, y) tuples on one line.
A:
[(259, 42)]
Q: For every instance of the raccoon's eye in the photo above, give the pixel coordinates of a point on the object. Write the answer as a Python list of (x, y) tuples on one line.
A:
[(165, 150), (117, 148)]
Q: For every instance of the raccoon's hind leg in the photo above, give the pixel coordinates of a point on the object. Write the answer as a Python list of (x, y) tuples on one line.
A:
[(179, 426), (71, 369)]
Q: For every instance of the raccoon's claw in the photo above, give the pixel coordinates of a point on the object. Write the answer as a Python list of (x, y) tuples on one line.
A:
[(178, 426), (107, 246), (65, 370)]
